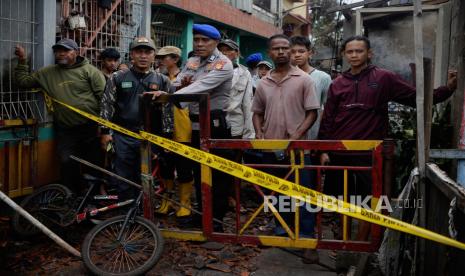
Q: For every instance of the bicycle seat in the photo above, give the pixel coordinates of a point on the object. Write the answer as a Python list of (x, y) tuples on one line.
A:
[(90, 178)]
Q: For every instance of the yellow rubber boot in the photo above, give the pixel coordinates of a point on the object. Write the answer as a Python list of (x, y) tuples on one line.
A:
[(185, 191), (165, 205)]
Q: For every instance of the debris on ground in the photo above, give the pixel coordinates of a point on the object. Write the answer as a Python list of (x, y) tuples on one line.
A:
[(194, 258)]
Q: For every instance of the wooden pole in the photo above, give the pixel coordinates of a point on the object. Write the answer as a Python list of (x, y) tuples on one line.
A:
[(428, 106), (420, 99), (39, 225), (421, 148), (457, 61)]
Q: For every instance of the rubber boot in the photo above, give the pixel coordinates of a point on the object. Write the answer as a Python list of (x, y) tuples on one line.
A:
[(165, 205), (185, 192)]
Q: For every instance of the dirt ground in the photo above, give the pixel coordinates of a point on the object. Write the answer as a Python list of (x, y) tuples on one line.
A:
[(41, 256)]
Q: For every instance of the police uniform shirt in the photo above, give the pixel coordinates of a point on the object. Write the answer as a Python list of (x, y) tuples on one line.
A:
[(212, 75)]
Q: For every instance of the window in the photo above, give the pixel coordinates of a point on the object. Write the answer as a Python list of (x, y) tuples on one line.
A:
[(264, 4)]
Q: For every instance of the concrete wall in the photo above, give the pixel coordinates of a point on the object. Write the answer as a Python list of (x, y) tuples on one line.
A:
[(288, 4), (264, 15), (392, 42), (221, 12), (392, 39), (252, 44)]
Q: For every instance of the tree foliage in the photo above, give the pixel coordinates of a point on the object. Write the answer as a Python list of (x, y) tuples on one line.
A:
[(325, 24)]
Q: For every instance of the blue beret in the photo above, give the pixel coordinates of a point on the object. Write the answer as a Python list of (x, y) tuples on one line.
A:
[(253, 58), (207, 30)]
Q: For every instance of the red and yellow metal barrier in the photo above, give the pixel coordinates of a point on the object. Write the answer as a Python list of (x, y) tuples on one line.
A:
[(296, 151)]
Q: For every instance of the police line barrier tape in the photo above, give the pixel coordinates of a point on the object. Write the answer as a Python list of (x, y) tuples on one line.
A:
[(276, 184)]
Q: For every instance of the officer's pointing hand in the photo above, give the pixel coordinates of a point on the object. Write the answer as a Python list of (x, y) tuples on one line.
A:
[(155, 94)]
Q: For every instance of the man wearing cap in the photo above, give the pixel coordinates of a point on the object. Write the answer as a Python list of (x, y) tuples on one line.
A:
[(209, 71), (120, 104), (240, 105), (74, 81), (170, 60), (263, 67), (110, 61)]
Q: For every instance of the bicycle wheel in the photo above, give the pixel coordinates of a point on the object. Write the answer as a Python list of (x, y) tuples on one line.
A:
[(138, 251), (48, 204)]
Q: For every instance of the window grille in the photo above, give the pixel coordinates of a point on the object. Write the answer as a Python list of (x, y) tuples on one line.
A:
[(95, 27), (167, 28), (17, 26)]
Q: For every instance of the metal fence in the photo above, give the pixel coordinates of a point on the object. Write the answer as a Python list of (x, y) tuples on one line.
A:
[(95, 26), (17, 26), (167, 28)]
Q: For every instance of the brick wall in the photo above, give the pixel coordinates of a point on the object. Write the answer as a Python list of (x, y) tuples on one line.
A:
[(218, 10)]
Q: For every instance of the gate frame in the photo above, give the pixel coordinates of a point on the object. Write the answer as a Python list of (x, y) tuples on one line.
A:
[(206, 144)]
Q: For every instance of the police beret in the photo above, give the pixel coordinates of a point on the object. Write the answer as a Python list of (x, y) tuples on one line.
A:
[(207, 30), (254, 58)]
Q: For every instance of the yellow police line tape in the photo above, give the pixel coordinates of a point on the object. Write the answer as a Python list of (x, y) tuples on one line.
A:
[(276, 184)]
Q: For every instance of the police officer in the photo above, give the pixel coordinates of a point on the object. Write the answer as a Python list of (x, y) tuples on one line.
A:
[(209, 71), (240, 105), (120, 104), (252, 62)]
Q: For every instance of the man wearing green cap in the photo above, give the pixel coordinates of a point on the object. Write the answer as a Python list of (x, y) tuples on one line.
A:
[(120, 104)]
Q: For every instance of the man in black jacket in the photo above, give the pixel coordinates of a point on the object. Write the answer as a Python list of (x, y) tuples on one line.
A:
[(120, 104)]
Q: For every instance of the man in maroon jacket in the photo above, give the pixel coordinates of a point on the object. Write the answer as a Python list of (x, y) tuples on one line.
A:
[(357, 109)]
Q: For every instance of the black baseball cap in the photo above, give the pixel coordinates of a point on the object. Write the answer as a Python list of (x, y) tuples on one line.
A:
[(110, 53), (66, 43)]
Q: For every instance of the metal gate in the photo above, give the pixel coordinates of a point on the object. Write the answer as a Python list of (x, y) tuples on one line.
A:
[(17, 26), (239, 225)]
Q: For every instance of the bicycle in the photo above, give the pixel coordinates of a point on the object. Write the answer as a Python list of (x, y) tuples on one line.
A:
[(55, 205), (123, 245)]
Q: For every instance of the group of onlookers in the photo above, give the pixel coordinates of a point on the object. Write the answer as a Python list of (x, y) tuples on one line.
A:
[(283, 98)]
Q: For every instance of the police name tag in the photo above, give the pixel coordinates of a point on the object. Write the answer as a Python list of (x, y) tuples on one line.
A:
[(126, 84)]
